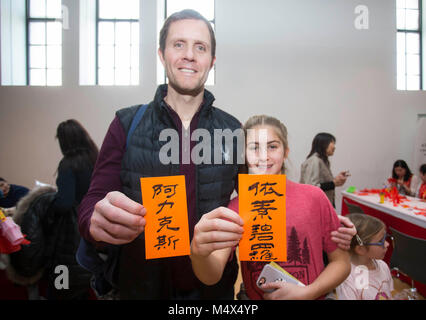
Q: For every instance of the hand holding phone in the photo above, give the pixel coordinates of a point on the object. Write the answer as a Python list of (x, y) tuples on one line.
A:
[(271, 273)]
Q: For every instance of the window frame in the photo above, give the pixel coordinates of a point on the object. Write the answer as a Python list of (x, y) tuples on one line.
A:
[(28, 21), (99, 20), (419, 31)]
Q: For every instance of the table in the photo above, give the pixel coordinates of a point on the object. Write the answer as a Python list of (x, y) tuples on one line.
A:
[(403, 217)]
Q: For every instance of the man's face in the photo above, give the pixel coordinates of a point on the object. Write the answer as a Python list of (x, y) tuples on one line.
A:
[(4, 187), (187, 56)]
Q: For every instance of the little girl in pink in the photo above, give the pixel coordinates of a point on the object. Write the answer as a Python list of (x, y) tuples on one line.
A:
[(370, 277)]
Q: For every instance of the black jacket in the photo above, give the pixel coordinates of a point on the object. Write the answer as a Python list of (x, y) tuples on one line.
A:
[(54, 240), (151, 279)]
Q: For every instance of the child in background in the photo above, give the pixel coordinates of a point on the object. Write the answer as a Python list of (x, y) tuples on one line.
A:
[(370, 277), (421, 191), (403, 179), (310, 218)]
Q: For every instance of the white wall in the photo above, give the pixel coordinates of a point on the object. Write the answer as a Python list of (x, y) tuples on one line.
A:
[(302, 61)]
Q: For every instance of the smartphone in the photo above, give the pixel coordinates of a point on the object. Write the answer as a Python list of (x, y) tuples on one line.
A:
[(272, 274)]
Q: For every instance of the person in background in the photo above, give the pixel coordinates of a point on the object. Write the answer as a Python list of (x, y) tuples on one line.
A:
[(370, 277), (316, 168), (48, 217), (309, 216), (73, 180), (403, 179), (421, 189), (10, 194)]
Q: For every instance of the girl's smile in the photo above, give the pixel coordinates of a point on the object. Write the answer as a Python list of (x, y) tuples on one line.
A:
[(265, 151)]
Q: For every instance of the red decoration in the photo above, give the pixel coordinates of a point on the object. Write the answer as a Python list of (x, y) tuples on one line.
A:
[(6, 247)]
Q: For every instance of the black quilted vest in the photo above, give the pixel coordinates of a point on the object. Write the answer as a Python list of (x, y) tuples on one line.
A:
[(150, 279)]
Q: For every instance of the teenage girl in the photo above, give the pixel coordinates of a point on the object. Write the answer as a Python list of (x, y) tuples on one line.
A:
[(310, 218)]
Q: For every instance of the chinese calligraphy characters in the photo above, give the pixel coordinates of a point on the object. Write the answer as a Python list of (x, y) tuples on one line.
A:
[(166, 231), (262, 207)]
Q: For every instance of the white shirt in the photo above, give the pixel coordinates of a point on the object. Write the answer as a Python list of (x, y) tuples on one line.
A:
[(364, 284)]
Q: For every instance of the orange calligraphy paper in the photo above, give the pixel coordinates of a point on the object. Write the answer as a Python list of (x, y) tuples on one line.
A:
[(262, 207), (166, 229)]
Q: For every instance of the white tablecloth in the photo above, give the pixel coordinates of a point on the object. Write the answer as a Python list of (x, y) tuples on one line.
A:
[(407, 214)]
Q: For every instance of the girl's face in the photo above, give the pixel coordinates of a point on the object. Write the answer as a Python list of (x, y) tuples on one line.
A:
[(377, 251), (330, 149), (265, 151), (400, 172)]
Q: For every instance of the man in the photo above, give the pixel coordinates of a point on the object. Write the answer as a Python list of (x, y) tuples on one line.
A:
[(112, 212), (10, 194)]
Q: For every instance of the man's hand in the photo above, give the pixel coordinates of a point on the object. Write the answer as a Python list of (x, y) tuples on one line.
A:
[(343, 235), (117, 219), (219, 229)]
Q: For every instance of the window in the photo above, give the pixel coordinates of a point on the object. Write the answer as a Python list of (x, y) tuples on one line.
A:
[(44, 43), (168, 7), (409, 44), (31, 42), (117, 48)]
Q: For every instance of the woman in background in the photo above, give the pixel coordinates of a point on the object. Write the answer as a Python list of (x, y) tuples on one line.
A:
[(73, 180), (49, 219), (75, 169), (403, 179), (316, 168)]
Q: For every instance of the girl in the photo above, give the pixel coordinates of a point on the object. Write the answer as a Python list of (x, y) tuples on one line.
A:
[(316, 168), (310, 218), (403, 179), (370, 277)]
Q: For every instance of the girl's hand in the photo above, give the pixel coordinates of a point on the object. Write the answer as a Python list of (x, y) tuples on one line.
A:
[(343, 235), (286, 291), (218, 229)]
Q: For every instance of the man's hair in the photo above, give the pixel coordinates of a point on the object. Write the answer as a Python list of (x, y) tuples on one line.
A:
[(187, 14), (1, 179)]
